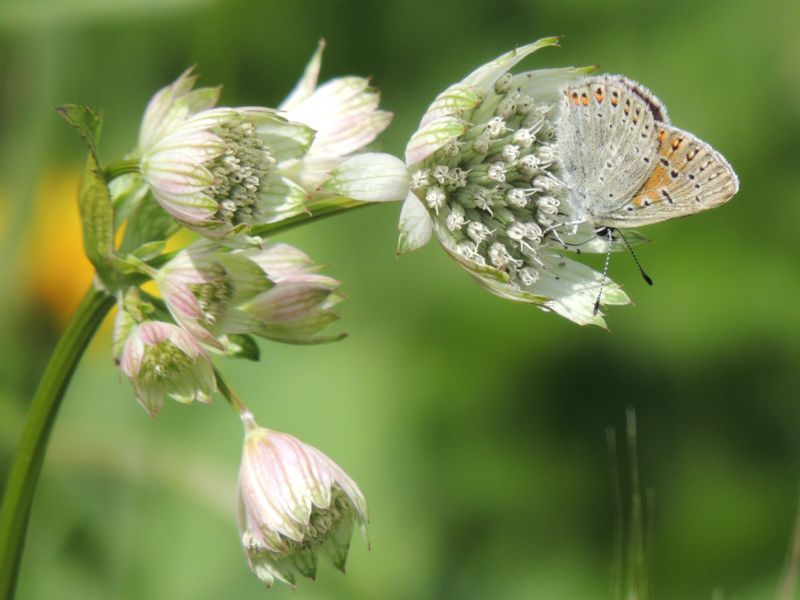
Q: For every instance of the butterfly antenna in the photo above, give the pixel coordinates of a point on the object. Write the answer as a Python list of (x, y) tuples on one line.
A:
[(605, 274), (645, 276)]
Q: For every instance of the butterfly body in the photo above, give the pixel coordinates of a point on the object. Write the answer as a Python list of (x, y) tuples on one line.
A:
[(626, 165)]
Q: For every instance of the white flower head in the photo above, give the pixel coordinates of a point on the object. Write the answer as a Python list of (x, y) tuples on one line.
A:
[(344, 114), (274, 292), (162, 360), (220, 171), (295, 504), (516, 242)]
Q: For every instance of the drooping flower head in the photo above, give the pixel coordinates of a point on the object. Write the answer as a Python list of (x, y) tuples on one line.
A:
[(295, 504), (224, 171), (274, 292), (162, 360), (485, 181)]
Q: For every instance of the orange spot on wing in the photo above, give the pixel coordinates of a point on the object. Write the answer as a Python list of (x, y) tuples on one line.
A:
[(614, 101), (598, 94), (658, 179), (585, 99)]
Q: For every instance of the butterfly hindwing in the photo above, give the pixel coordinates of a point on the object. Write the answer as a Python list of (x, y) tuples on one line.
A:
[(689, 177)]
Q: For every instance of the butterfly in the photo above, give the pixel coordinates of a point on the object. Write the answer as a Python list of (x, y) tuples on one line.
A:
[(626, 165)]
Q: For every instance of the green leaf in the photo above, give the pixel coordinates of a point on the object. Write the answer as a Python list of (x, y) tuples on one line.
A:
[(241, 345), (97, 219), (149, 250), (87, 121), (147, 223)]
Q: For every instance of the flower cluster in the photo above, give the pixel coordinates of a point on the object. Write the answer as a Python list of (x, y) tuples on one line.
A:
[(223, 172), (214, 294), (485, 180), (230, 175)]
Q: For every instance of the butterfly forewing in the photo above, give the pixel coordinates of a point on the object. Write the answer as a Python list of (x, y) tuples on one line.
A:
[(655, 105), (689, 177), (607, 140)]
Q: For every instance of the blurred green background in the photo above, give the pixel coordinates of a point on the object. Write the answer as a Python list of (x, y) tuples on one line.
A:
[(475, 427)]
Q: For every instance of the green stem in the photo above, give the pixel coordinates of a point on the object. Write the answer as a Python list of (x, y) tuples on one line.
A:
[(27, 465), (121, 167), (317, 210), (237, 404)]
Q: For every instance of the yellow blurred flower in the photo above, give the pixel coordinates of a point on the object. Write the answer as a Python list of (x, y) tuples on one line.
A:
[(57, 272), (3, 215)]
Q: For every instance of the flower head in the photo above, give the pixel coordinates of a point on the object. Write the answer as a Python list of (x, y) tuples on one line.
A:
[(162, 360), (344, 114), (274, 291), (223, 171), (217, 170), (485, 181), (295, 503)]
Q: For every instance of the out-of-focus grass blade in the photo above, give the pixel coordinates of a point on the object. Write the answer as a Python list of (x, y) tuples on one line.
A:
[(788, 584)]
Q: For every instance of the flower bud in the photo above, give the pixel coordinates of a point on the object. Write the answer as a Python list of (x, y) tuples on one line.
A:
[(295, 504)]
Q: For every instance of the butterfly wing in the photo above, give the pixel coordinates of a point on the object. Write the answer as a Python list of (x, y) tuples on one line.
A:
[(655, 105), (689, 177), (607, 142)]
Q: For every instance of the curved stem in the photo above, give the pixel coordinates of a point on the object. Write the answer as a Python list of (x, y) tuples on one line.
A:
[(319, 209), (27, 465), (237, 404), (122, 167)]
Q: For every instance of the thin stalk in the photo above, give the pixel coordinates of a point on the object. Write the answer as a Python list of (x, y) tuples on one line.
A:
[(637, 573), (122, 167), (27, 465), (316, 210), (236, 403), (616, 581)]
